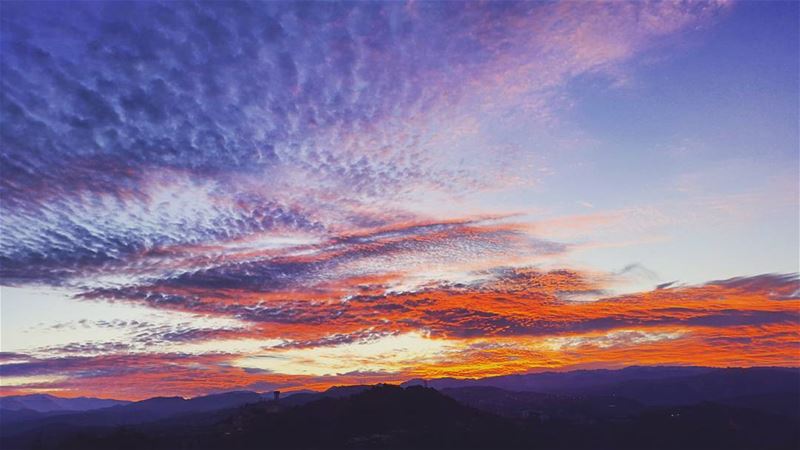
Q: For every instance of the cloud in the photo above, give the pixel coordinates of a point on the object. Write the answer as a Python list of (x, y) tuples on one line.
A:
[(613, 339), (130, 129), (347, 264), (361, 337), (510, 302), (89, 348), (6, 357), (778, 286)]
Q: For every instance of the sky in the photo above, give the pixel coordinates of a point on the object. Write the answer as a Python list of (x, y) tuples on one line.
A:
[(201, 197)]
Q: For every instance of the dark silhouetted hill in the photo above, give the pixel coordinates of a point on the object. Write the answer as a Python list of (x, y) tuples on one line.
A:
[(303, 398), (379, 417), (545, 406)]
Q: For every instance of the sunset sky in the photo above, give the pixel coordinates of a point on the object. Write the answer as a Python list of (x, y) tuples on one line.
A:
[(207, 197)]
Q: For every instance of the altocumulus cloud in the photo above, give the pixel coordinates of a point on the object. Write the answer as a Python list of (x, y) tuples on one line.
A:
[(129, 127)]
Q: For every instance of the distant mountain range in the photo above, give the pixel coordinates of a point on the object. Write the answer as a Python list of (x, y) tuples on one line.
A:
[(636, 407), (50, 403), (578, 380), (649, 385)]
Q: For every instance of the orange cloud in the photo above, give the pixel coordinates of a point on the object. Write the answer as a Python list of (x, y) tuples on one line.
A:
[(509, 321)]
